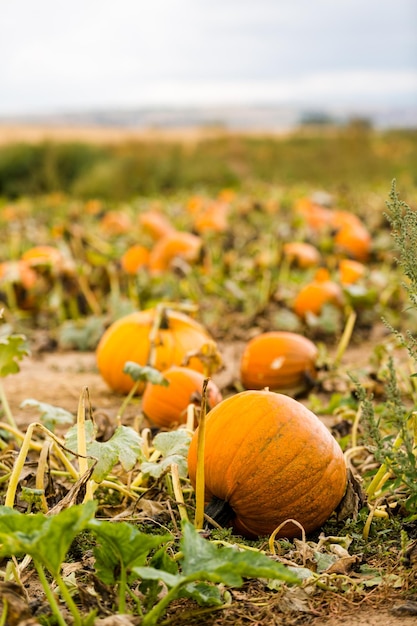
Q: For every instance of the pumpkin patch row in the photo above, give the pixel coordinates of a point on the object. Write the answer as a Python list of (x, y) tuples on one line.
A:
[(105, 253)]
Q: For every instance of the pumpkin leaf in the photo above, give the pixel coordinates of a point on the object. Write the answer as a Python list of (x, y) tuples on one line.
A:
[(227, 565), (50, 415), (12, 350), (122, 544), (124, 447), (174, 448), (46, 539), (145, 373)]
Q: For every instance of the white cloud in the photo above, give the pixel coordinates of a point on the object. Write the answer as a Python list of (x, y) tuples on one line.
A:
[(133, 52)]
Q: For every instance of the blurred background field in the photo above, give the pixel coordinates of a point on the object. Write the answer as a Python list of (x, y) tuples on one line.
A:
[(118, 165)]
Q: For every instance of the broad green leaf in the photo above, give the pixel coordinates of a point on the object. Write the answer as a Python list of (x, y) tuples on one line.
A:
[(50, 415), (46, 539), (173, 442), (144, 372), (174, 448), (124, 447), (151, 573), (205, 594), (12, 350), (227, 565), (121, 544)]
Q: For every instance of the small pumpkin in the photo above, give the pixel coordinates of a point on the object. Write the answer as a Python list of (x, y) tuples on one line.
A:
[(43, 256), (281, 360), (354, 240), (301, 253), (134, 258), (175, 244), (351, 271), (156, 224), (316, 216), (128, 339), (115, 223), (167, 406), (269, 459), (320, 291)]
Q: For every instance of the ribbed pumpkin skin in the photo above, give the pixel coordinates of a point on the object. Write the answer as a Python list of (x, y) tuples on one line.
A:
[(271, 459), (167, 406), (282, 361), (127, 339)]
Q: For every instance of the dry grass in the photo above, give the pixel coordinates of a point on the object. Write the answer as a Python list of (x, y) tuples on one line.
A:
[(32, 133)]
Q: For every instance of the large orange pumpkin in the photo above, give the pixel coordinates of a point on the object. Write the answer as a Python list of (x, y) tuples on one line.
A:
[(280, 360), (269, 459), (167, 406), (128, 339)]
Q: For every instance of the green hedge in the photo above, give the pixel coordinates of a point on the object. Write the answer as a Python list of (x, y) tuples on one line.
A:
[(343, 157)]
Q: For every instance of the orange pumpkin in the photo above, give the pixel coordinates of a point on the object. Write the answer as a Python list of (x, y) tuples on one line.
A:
[(354, 240), (316, 216), (134, 258), (176, 244), (351, 271), (167, 406), (301, 253), (115, 223), (127, 339), (42, 255), (320, 291), (155, 223), (280, 360), (18, 272), (269, 459)]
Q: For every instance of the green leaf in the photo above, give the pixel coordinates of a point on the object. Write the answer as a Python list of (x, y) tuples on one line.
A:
[(174, 448), (50, 415), (124, 447), (46, 539), (12, 350), (144, 372), (227, 565), (205, 594), (121, 544)]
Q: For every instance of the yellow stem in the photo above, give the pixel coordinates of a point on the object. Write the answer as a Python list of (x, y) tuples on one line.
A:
[(179, 497), (200, 477), (344, 340), (40, 473), (380, 477), (82, 443)]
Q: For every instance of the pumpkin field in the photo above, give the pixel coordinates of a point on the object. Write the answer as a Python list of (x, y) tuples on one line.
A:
[(208, 396)]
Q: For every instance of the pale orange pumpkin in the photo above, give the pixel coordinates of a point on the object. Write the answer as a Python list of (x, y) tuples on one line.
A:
[(167, 406), (175, 244), (351, 271), (156, 224), (268, 459), (134, 258), (354, 240), (128, 339), (320, 291), (280, 360), (301, 253)]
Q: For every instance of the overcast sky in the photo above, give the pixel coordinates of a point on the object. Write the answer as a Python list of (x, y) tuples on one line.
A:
[(65, 56)]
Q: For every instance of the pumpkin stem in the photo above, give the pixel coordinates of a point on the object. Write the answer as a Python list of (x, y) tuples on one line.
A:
[(219, 511)]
